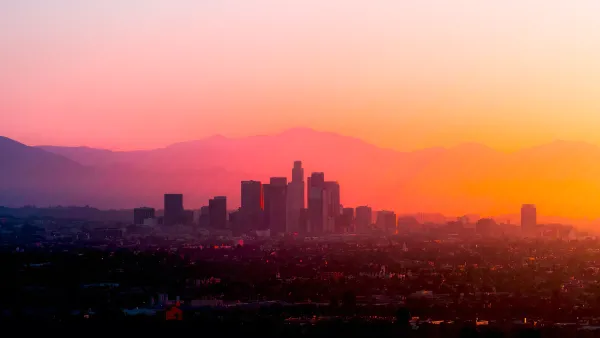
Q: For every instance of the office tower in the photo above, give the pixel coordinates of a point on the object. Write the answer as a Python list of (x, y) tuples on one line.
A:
[(251, 210), (295, 198), (275, 205), (217, 212), (528, 217), (234, 223), (317, 203), (141, 214), (303, 221), (331, 203), (364, 217), (173, 209), (334, 206), (252, 195), (386, 221), (345, 221)]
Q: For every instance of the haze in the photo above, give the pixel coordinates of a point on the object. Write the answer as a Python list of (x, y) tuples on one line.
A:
[(398, 74)]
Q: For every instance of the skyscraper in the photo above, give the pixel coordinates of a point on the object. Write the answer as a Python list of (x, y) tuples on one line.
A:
[(141, 214), (345, 221), (217, 212), (251, 210), (295, 198), (275, 205), (173, 209), (334, 205), (528, 217), (364, 217), (317, 207)]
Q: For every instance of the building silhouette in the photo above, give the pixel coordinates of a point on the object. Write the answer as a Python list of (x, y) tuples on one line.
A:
[(217, 212), (386, 221), (363, 219), (275, 215), (252, 206), (317, 203), (345, 221), (173, 209), (295, 198), (334, 205), (141, 214), (528, 217)]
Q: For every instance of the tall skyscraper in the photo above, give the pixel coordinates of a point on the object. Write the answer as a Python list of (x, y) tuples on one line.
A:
[(295, 198), (275, 205), (251, 210), (335, 205), (317, 204), (173, 209), (528, 217), (217, 212), (141, 214), (364, 217)]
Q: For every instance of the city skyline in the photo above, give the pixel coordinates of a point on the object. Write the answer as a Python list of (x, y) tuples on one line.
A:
[(495, 187), (272, 208)]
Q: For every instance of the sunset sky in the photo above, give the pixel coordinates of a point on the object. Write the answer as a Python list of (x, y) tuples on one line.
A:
[(134, 74)]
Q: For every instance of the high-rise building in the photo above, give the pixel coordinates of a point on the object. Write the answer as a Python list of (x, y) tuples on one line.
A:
[(217, 212), (386, 221), (252, 195), (275, 205), (303, 221), (173, 209), (141, 214), (345, 221), (333, 189), (528, 217), (251, 210), (295, 198), (364, 218), (317, 203)]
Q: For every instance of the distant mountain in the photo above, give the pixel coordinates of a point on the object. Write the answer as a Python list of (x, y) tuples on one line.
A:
[(34, 176), (562, 178), (19, 158)]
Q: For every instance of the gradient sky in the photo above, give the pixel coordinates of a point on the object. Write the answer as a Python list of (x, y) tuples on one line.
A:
[(131, 74)]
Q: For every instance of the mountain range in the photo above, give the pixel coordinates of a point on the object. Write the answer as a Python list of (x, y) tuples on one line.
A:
[(562, 178)]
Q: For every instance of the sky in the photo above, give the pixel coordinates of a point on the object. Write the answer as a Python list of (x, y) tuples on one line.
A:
[(406, 75)]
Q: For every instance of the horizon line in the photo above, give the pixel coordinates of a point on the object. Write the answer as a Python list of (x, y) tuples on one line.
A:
[(287, 130)]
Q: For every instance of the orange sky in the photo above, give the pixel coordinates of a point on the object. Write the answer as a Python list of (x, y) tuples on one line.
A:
[(400, 74)]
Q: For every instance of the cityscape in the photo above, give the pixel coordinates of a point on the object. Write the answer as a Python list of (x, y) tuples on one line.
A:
[(299, 169), (314, 208), (293, 258)]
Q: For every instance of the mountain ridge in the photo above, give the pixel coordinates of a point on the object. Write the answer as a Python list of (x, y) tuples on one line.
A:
[(467, 178)]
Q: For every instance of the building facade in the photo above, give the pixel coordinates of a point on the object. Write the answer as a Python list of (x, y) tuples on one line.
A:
[(173, 209)]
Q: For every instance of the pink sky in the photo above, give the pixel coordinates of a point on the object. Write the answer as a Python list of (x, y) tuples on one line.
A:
[(400, 74)]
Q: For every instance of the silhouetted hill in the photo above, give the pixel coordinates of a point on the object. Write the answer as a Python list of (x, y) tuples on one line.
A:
[(34, 176), (562, 178), (20, 158)]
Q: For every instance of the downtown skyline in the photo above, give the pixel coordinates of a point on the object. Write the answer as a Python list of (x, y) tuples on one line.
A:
[(469, 179)]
